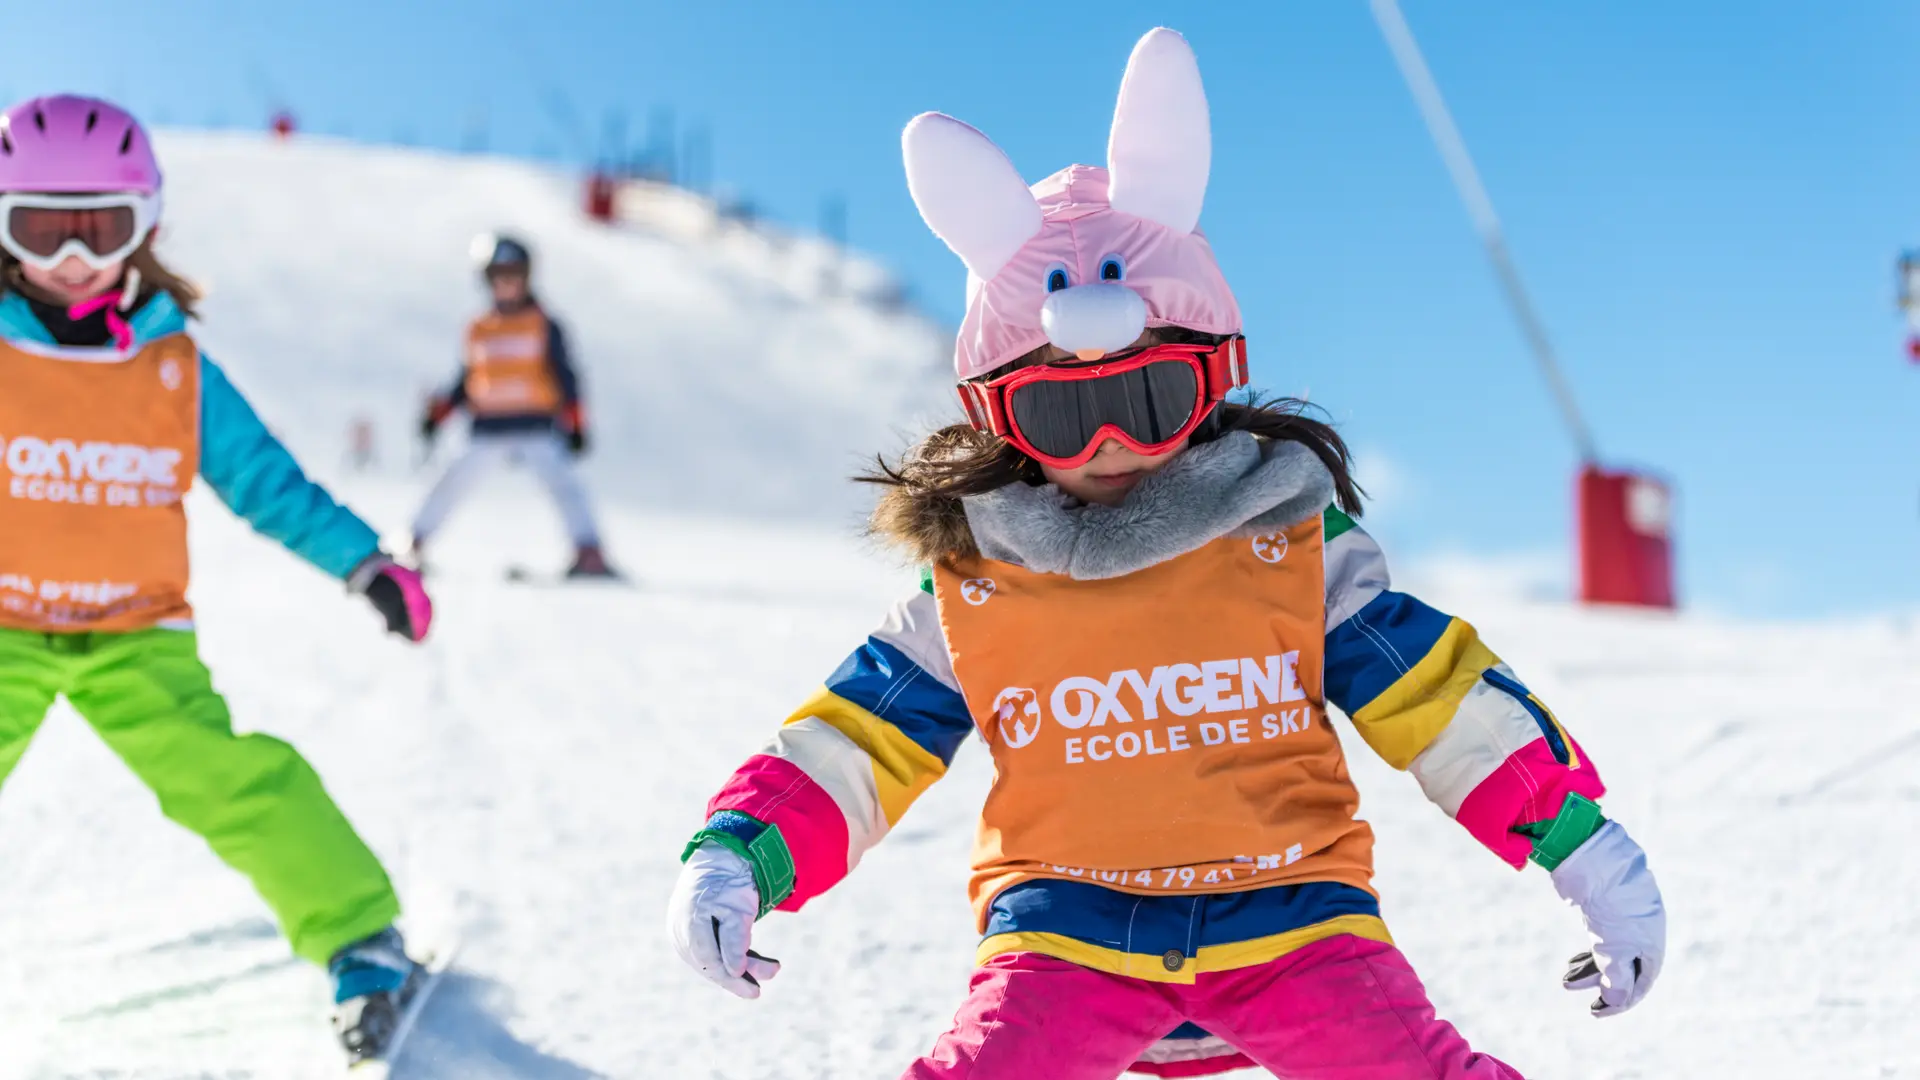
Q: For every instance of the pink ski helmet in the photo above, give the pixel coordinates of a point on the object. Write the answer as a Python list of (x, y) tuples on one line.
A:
[(69, 143), (1089, 257)]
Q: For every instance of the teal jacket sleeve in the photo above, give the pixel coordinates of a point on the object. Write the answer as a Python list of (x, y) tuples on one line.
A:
[(259, 479)]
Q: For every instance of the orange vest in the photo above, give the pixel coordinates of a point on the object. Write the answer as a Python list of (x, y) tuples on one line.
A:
[(507, 369), (1161, 732), (95, 456)]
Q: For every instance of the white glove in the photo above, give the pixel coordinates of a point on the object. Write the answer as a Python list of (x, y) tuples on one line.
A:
[(1608, 880), (710, 918)]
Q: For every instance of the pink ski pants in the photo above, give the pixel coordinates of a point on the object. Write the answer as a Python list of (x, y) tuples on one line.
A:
[(1340, 1009)]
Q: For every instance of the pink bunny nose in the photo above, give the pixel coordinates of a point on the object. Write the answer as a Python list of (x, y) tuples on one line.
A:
[(1099, 317)]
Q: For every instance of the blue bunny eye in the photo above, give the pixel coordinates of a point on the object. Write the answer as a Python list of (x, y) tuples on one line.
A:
[(1057, 278), (1113, 268)]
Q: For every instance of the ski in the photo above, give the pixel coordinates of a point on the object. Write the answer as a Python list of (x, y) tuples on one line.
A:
[(523, 575), (377, 1030)]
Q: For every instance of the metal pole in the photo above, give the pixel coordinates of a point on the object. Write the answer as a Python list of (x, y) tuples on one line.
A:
[(1453, 150)]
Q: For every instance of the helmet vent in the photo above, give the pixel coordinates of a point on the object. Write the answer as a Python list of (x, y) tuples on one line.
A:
[(93, 118), (126, 141), (6, 143), (40, 121)]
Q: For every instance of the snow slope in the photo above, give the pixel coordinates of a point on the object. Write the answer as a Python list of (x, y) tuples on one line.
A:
[(533, 771), (341, 283)]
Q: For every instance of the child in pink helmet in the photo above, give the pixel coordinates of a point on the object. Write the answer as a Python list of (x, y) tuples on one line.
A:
[(1143, 598), (108, 412)]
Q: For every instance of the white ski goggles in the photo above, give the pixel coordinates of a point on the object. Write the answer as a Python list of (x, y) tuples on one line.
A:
[(43, 229)]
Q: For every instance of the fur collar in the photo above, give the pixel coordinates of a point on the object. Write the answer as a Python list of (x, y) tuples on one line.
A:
[(1235, 484)]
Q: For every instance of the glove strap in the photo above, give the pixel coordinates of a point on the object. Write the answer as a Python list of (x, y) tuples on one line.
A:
[(1553, 840), (767, 854)]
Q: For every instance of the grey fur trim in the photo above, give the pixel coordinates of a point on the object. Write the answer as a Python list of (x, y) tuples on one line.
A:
[(1234, 484)]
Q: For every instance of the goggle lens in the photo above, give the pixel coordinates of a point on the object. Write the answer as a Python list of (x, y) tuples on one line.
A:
[(44, 230), (1150, 404)]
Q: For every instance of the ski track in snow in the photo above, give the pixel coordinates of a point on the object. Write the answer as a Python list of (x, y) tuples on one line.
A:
[(534, 770)]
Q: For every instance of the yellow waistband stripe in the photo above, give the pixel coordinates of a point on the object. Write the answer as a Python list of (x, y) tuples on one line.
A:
[(1158, 967)]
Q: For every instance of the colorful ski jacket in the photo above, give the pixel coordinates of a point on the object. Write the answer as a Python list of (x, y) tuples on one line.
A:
[(99, 448), (1152, 682), (516, 373)]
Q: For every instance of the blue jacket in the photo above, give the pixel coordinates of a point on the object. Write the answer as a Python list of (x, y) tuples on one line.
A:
[(239, 458)]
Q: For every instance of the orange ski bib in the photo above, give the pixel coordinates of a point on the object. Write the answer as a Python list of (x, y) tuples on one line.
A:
[(1161, 732), (507, 369), (95, 456)]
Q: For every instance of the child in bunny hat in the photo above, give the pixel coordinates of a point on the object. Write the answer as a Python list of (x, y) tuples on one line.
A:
[(1143, 598)]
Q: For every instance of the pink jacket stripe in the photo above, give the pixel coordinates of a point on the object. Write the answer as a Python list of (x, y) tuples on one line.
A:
[(776, 791), (1529, 786)]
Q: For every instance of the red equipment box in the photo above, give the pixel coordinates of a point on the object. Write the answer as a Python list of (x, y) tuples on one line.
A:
[(1625, 522)]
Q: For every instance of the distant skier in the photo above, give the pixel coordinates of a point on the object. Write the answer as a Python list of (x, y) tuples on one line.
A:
[(1144, 598), (520, 387), (108, 410)]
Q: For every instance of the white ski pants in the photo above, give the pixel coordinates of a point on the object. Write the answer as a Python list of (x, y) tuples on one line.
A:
[(542, 451)]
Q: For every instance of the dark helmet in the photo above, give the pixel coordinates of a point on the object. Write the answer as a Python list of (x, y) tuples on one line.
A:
[(496, 251)]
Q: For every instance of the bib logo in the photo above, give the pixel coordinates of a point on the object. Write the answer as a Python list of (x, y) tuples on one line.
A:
[(1017, 713), (977, 590), (90, 473), (1181, 689), (1149, 709), (509, 347), (170, 376), (1270, 547)]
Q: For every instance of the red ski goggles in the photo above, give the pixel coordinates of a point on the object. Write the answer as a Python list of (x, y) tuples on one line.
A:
[(1148, 400)]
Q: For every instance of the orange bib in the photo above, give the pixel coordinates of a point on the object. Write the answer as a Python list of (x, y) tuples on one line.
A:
[(507, 369), (94, 459), (1161, 732)]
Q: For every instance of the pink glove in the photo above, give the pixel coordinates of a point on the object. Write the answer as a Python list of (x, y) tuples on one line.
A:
[(397, 593)]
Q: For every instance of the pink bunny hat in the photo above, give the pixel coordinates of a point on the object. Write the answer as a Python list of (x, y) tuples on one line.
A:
[(1089, 257)]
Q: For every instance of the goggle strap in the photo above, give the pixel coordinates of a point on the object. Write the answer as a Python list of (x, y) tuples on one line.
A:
[(977, 400), (1227, 367)]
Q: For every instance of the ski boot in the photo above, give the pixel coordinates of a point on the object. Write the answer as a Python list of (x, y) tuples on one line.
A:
[(372, 980), (588, 562)]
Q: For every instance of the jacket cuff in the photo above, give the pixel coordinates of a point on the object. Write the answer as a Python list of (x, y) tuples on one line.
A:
[(1555, 839), (366, 570), (766, 852)]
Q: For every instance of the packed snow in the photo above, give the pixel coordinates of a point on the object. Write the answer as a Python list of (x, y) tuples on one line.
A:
[(531, 773)]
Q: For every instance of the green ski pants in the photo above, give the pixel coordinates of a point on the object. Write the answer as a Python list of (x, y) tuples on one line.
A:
[(253, 798)]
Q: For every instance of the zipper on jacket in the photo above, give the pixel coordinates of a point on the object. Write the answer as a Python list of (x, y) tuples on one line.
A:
[(1547, 727)]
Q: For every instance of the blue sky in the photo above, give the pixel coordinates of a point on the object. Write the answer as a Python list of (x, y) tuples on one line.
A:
[(1706, 198)]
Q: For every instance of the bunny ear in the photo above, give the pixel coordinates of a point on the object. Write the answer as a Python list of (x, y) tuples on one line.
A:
[(969, 193), (1161, 146)]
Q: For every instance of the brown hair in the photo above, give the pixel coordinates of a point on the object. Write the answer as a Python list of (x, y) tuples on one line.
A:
[(155, 276), (957, 461)]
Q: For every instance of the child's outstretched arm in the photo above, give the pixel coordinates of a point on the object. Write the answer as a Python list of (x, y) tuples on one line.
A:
[(259, 479), (1431, 699), (573, 418), (791, 822), (443, 403)]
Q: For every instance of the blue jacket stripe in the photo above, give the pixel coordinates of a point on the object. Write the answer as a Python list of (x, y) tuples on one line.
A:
[(1151, 925), (882, 680), (1377, 645), (255, 475)]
